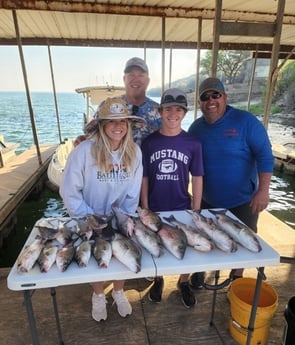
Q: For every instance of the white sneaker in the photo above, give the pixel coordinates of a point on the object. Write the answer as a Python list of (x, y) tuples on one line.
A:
[(99, 309), (123, 305)]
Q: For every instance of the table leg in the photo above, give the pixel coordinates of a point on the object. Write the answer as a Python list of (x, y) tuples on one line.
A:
[(31, 318), (214, 298), (260, 276), (215, 287), (53, 295)]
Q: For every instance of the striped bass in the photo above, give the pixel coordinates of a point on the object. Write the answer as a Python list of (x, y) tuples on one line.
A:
[(127, 252), (149, 218), (29, 255), (239, 231), (174, 240), (124, 222), (47, 256), (65, 256), (49, 231), (83, 253), (194, 239), (102, 251), (148, 239), (220, 238)]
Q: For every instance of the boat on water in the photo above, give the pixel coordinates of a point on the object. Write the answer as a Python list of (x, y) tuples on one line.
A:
[(93, 95), (7, 151)]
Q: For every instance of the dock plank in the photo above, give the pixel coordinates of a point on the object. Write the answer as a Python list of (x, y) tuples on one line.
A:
[(168, 322), (19, 176), (279, 151)]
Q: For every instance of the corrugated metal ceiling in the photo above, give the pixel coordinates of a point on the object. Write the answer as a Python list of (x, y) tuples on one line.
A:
[(138, 23)]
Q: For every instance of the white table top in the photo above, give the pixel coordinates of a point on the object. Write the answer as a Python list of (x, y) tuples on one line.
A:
[(167, 264)]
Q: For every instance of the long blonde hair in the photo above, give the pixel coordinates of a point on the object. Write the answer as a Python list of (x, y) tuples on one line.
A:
[(102, 152)]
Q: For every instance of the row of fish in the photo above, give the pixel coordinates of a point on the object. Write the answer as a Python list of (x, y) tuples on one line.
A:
[(62, 241), (220, 231), (226, 232)]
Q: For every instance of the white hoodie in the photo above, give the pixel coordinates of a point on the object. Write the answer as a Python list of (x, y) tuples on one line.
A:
[(85, 190)]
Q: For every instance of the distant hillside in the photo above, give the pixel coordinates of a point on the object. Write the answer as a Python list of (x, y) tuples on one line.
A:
[(237, 92), (186, 84)]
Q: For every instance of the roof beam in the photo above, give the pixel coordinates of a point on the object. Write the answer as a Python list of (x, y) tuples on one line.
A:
[(267, 55), (247, 29), (33, 41), (180, 12)]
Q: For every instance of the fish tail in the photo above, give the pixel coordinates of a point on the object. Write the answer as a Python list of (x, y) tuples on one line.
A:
[(221, 211), (259, 248), (234, 247), (116, 203), (191, 212), (170, 219)]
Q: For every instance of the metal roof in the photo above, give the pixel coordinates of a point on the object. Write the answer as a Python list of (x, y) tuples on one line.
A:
[(244, 25)]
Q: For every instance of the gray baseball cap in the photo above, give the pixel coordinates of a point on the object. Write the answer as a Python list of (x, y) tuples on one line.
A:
[(211, 84), (136, 62), (174, 96)]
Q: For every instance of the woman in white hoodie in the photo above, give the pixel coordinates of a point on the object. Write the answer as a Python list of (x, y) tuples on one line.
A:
[(102, 170)]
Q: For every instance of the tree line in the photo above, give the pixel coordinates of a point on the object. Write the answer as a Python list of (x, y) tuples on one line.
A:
[(234, 66)]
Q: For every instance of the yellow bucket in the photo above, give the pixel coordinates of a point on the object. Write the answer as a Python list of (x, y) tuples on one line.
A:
[(241, 295)]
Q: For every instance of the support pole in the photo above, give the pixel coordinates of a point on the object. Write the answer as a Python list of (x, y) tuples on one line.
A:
[(54, 95), (163, 53), (144, 51), (19, 43), (252, 79), (197, 80), (170, 66), (273, 70), (216, 34)]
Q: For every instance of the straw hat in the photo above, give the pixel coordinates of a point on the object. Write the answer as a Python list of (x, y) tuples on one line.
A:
[(115, 109)]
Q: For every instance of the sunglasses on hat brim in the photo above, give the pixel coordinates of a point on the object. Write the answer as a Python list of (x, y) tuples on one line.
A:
[(180, 99)]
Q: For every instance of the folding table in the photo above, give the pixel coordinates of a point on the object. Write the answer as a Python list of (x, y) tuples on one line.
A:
[(167, 264)]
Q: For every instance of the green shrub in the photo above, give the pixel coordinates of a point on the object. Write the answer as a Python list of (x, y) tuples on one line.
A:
[(258, 109)]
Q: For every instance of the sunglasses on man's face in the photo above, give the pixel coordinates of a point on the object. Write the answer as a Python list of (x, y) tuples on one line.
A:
[(206, 96)]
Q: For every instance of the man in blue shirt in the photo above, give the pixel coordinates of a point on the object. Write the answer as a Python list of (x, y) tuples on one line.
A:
[(238, 160)]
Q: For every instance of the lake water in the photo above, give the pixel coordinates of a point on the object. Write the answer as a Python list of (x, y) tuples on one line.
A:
[(15, 125)]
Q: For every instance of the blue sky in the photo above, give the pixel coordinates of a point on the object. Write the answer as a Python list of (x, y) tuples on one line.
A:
[(76, 67)]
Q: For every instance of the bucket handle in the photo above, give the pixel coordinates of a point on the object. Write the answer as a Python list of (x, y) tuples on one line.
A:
[(226, 282), (218, 286), (239, 327)]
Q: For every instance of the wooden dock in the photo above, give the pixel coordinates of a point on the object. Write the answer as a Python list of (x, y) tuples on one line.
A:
[(18, 178), (150, 324), (284, 157)]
